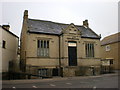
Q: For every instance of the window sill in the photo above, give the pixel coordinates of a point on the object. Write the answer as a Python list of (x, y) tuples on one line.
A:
[(90, 57), (42, 57)]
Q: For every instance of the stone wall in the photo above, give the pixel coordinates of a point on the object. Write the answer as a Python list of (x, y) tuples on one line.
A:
[(81, 71)]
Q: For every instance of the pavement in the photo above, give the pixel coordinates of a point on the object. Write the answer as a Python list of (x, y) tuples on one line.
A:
[(22, 81), (100, 81)]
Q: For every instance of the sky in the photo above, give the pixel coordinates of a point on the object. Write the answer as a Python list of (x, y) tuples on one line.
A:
[(102, 15)]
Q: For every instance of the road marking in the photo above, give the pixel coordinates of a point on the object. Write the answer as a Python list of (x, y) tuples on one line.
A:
[(69, 83), (34, 86), (94, 87), (52, 85), (13, 87)]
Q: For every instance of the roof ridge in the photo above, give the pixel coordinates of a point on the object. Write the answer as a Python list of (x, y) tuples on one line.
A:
[(47, 21), (111, 39), (10, 32), (54, 22)]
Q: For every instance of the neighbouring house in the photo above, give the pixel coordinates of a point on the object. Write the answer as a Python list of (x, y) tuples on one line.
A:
[(8, 51), (110, 52), (0, 54), (56, 49)]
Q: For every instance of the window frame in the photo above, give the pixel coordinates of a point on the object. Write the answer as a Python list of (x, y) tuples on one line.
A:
[(107, 48), (89, 49), (43, 72), (43, 48), (4, 44), (111, 61)]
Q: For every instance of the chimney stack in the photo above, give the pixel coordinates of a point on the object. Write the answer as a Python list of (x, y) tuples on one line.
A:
[(26, 14), (85, 23), (7, 27)]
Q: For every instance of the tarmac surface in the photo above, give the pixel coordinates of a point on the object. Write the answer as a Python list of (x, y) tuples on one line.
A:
[(101, 81)]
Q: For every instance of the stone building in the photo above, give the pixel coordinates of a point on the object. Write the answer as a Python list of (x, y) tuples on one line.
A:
[(8, 50), (109, 51), (56, 49)]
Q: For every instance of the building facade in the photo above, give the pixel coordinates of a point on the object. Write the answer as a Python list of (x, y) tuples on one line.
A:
[(0, 56), (57, 49), (110, 51), (8, 49)]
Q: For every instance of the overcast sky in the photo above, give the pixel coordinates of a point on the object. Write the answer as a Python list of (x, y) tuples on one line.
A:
[(102, 15)]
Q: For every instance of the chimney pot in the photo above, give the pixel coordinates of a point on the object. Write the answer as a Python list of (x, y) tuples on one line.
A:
[(26, 14), (85, 23)]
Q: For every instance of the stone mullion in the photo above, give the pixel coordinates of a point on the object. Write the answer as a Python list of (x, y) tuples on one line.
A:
[(86, 47), (93, 50), (45, 48)]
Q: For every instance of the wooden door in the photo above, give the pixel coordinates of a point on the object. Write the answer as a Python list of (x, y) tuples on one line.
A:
[(72, 56)]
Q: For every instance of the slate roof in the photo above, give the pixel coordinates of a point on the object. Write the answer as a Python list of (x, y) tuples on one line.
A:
[(49, 27), (111, 39)]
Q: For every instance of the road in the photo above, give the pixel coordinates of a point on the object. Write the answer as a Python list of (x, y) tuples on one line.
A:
[(101, 81)]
